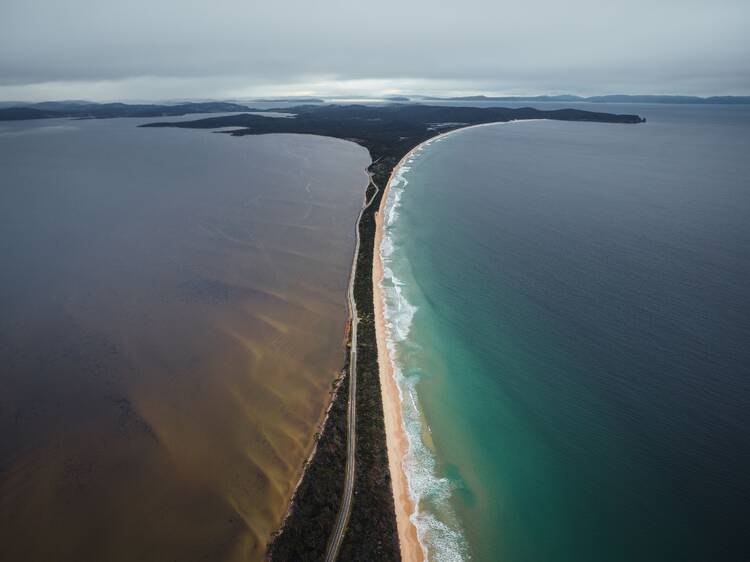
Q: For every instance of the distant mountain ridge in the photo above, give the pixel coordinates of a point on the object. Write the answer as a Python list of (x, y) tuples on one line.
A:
[(80, 109), (90, 110), (289, 100), (613, 98)]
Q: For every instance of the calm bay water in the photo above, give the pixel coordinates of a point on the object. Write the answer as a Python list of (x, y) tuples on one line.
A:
[(571, 314), (172, 313)]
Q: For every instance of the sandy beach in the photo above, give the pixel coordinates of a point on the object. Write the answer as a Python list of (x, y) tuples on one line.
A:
[(412, 550), (397, 441)]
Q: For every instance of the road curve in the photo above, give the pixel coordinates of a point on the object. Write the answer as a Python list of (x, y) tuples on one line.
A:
[(345, 509)]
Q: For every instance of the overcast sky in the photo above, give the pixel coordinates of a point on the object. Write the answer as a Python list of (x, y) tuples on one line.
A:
[(180, 49)]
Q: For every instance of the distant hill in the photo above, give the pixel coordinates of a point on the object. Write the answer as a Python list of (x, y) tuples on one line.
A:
[(25, 113), (615, 98), (290, 100), (88, 110)]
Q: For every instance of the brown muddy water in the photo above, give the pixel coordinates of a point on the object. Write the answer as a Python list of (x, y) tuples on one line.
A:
[(172, 318)]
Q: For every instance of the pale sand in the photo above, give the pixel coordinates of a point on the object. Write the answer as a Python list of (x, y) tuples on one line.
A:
[(396, 439)]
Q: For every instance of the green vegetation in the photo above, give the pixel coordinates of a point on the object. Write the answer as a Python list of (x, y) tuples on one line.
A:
[(316, 502), (388, 130), (372, 532)]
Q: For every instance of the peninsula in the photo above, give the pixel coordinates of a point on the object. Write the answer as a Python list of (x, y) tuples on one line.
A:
[(389, 131), (374, 503)]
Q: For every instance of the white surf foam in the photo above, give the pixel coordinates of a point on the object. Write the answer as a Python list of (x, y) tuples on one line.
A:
[(438, 529)]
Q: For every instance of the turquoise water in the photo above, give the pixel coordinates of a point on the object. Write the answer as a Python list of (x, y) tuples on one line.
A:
[(569, 306)]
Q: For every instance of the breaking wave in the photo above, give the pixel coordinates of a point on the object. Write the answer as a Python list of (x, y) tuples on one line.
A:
[(438, 529)]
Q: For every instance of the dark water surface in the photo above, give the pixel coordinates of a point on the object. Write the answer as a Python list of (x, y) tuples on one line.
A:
[(172, 315), (580, 348)]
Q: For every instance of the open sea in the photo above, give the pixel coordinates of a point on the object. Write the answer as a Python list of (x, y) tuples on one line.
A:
[(569, 306)]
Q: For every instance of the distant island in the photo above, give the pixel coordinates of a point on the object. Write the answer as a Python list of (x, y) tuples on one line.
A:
[(89, 110), (20, 111), (614, 98), (289, 100)]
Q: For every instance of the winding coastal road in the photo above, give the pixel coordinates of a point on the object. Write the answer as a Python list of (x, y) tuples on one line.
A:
[(345, 509)]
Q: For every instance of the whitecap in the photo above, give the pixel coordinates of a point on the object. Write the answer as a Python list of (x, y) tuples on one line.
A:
[(438, 528)]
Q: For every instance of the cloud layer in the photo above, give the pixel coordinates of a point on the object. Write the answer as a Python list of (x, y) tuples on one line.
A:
[(232, 48)]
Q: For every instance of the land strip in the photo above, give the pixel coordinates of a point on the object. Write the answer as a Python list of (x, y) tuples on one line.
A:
[(371, 531)]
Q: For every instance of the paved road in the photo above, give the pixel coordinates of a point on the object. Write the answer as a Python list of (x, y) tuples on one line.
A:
[(345, 509)]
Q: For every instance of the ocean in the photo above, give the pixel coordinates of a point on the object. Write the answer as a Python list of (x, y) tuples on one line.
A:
[(569, 310)]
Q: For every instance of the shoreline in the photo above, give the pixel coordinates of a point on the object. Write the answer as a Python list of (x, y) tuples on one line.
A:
[(320, 428), (381, 518), (397, 440)]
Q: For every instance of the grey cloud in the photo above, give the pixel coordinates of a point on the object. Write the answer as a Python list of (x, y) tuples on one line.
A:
[(579, 46)]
